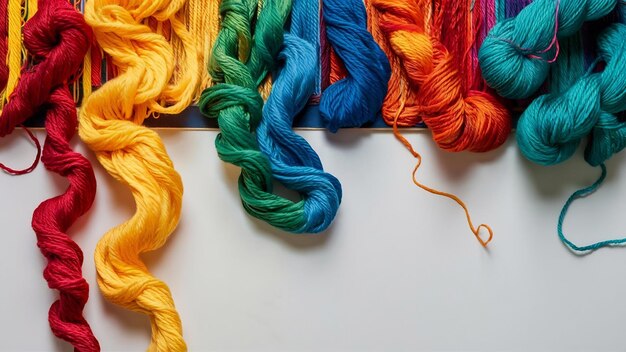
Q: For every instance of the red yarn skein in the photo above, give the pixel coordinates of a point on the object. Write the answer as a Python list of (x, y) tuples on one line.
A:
[(57, 38)]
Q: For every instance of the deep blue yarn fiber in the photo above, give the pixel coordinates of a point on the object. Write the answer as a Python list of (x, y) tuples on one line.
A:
[(356, 99), (294, 162)]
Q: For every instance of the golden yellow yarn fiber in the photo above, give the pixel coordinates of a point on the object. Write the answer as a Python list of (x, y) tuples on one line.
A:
[(14, 45), (32, 9), (202, 20), (110, 124), (86, 77)]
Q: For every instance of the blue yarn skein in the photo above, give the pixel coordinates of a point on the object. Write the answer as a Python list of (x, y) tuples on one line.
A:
[(306, 24), (294, 162), (515, 56), (358, 98)]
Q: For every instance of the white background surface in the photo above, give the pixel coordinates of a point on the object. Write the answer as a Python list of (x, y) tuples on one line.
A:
[(398, 271)]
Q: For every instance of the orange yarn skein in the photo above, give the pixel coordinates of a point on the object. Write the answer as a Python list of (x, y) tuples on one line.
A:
[(433, 84), (400, 106), (436, 74)]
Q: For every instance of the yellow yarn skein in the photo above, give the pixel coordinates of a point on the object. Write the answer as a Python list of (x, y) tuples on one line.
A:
[(14, 45), (110, 124)]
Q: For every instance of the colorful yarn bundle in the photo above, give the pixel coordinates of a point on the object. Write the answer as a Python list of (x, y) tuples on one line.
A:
[(137, 35), (357, 98), (438, 71), (579, 105), (434, 79), (294, 163), (239, 65), (515, 57)]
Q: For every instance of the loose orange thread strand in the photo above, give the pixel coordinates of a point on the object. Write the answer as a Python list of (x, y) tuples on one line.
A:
[(418, 156), (408, 22)]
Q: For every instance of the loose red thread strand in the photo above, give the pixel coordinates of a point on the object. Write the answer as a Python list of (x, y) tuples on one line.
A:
[(33, 166)]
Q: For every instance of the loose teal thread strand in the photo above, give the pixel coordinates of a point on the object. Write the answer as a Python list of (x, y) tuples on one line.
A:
[(581, 193)]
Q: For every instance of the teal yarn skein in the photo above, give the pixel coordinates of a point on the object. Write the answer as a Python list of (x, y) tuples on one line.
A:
[(243, 54), (516, 55), (553, 126)]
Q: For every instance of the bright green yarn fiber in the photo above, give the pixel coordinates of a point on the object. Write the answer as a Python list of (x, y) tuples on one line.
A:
[(245, 51)]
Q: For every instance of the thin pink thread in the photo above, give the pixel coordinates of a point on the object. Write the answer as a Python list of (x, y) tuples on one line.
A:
[(553, 43)]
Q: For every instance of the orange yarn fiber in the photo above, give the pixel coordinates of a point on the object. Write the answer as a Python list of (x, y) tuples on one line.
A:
[(434, 74), (434, 79)]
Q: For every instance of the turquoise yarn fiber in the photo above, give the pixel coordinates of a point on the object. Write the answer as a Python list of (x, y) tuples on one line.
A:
[(553, 126), (516, 54), (358, 98), (294, 162)]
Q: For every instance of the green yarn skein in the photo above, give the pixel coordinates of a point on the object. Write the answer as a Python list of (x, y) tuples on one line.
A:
[(239, 63)]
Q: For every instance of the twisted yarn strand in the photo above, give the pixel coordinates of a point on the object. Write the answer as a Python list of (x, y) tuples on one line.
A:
[(515, 57), (553, 126), (57, 37), (356, 99), (459, 117), (294, 162), (239, 64), (401, 102), (420, 63), (134, 35)]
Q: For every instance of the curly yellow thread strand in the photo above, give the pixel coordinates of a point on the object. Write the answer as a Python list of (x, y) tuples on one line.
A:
[(110, 124)]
